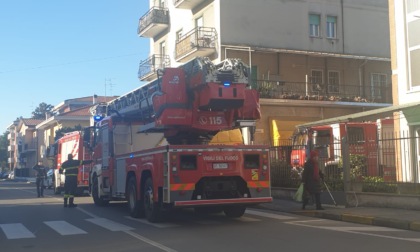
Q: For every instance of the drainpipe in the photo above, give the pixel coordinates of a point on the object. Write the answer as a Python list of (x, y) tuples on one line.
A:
[(361, 77)]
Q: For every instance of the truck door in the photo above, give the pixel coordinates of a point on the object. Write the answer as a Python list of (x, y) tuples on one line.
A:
[(105, 146)]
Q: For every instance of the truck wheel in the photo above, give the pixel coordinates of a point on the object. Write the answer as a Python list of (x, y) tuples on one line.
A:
[(135, 206), (99, 201), (234, 211), (151, 209)]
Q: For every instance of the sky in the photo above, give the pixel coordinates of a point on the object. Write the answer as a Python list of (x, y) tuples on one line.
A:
[(53, 50)]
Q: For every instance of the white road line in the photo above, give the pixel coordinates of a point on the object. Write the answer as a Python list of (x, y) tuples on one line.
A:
[(16, 231), (208, 222), (269, 215), (355, 231), (157, 225), (153, 243), (109, 224), (247, 219), (64, 228)]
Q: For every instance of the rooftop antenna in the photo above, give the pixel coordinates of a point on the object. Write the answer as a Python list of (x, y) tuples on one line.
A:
[(108, 82)]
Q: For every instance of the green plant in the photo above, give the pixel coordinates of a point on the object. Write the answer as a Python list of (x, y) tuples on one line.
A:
[(358, 166)]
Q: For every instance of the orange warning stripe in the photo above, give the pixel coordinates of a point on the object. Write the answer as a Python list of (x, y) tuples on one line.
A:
[(182, 187), (255, 184)]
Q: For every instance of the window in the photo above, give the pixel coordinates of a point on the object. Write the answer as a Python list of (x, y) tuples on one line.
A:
[(378, 82), (331, 26), (333, 81), (199, 22), (316, 80), (178, 35), (314, 21), (162, 48), (162, 3)]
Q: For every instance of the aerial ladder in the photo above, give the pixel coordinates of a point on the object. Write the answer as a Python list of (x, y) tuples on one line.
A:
[(191, 103)]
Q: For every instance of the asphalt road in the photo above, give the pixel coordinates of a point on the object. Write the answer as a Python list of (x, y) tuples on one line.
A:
[(28, 223)]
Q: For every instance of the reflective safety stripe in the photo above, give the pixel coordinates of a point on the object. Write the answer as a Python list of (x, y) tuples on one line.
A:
[(68, 196), (182, 187), (70, 175), (255, 184), (71, 168)]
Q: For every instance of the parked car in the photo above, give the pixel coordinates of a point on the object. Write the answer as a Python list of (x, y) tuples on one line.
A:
[(48, 181), (4, 174)]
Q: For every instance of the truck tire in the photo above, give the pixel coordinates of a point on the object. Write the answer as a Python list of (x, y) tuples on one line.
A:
[(234, 211), (151, 209), (99, 201), (135, 206)]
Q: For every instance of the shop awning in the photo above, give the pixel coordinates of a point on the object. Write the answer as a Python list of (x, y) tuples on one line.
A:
[(411, 112)]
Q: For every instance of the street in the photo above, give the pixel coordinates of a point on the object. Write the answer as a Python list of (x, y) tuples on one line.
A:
[(28, 223)]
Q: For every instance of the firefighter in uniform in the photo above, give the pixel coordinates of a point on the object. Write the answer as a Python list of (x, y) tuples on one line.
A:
[(41, 174), (71, 166)]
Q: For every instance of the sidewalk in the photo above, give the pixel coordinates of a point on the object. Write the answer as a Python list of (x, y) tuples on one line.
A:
[(386, 217)]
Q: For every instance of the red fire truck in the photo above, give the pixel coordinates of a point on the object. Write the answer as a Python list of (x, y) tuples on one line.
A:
[(71, 143), (364, 139), (152, 147)]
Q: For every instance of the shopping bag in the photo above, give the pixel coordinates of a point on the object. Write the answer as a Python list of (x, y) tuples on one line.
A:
[(299, 194)]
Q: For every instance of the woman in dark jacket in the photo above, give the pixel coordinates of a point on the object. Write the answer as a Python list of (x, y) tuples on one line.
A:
[(311, 177)]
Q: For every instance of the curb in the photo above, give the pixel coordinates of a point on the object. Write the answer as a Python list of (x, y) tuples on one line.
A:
[(365, 220), (354, 218)]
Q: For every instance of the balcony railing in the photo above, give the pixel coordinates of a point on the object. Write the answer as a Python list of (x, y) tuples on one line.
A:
[(187, 4), (320, 92), (200, 41), (148, 67), (11, 148), (153, 22), (29, 146), (11, 135)]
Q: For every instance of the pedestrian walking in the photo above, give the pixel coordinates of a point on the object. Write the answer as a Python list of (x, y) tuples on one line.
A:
[(311, 177), (70, 168), (41, 174)]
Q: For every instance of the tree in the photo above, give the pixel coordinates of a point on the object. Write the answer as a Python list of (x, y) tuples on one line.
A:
[(3, 149), (39, 112), (59, 133)]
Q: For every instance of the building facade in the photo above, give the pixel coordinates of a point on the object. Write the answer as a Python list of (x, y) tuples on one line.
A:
[(405, 54), (309, 60)]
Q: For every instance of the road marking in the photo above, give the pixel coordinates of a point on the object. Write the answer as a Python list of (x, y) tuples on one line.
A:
[(247, 219), (359, 230), (16, 231), (109, 224), (157, 225), (153, 243), (208, 222), (269, 215), (64, 228)]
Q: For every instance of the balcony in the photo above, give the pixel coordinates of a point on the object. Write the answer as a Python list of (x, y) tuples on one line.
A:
[(321, 92), (187, 4), (11, 148), (153, 22), (199, 42), (148, 68), (11, 135), (29, 147), (9, 160)]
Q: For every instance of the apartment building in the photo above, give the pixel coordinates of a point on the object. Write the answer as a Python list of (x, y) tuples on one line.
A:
[(405, 53), (30, 138), (309, 60)]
